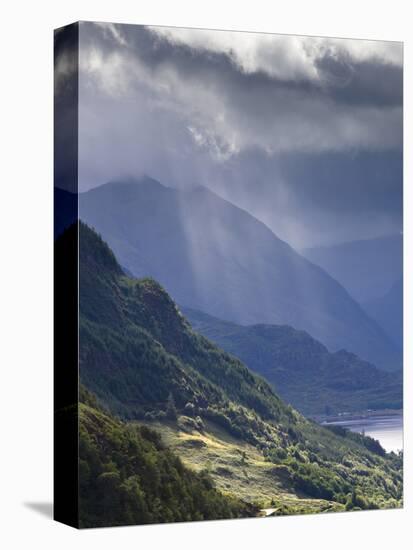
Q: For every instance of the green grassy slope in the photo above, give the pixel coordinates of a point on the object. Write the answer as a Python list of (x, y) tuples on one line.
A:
[(127, 476), (302, 370), (141, 358)]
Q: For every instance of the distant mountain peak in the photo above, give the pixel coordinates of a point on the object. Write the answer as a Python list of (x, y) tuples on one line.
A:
[(129, 182), (215, 257)]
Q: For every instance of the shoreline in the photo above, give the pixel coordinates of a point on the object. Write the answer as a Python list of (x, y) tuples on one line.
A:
[(350, 416)]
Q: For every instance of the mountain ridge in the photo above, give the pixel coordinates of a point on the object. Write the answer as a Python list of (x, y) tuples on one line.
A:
[(301, 369), (185, 241)]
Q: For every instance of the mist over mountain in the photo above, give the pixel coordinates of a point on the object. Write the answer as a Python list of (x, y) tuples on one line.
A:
[(387, 310), (366, 268), (317, 200), (261, 119), (215, 257), (372, 272)]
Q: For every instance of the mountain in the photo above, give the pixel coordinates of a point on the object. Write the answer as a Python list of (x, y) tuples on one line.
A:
[(217, 258), (137, 352), (372, 272), (366, 268), (146, 365), (387, 310), (301, 369)]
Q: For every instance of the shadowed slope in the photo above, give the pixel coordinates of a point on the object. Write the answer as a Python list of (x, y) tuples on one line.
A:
[(301, 369), (215, 257)]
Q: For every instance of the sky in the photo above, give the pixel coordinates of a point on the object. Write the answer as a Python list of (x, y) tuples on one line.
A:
[(303, 132)]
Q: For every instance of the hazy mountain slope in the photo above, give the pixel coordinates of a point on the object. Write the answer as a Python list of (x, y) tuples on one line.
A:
[(366, 268), (142, 359), (301, 369), (215, 257), (388, 312)]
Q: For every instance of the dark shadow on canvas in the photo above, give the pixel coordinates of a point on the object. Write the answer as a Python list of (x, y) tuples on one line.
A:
[(42, 508)]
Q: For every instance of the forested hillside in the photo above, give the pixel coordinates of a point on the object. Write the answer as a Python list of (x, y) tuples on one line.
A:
[(145, 364), (127, 476), (302, 370)]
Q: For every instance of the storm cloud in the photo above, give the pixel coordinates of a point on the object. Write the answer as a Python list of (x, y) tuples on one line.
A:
[(304, 132)]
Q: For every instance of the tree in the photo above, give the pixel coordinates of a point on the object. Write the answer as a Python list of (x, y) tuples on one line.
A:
[(171, 411)]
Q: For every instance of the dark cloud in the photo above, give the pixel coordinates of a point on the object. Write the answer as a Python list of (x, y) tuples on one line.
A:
[(305, 133), (362, 83)]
